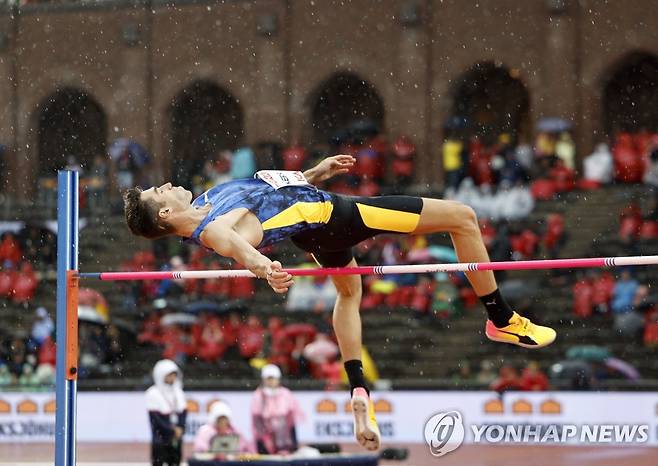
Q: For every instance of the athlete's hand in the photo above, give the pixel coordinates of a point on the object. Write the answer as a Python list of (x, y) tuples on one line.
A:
[(279, 280), (330, 167)]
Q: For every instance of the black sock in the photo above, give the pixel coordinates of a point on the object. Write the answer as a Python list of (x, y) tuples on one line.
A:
[(497, 308), (354, 370)]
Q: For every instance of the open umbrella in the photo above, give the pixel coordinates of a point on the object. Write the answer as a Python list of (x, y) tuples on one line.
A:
[(177, 318), (139, 155), (90, 314), (623, 368), (553, 125), (215, 307)]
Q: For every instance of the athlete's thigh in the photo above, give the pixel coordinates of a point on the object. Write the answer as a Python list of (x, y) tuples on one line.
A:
[(440, 215)]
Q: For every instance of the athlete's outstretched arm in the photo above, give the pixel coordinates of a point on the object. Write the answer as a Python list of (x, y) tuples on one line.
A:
[(329, 167), (226, 242)]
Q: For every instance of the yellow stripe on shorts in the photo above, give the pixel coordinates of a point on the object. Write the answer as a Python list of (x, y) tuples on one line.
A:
[(309, 212), (379, 218)]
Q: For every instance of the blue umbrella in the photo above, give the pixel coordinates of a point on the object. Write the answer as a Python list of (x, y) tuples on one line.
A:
[(214, 306), (136, 151), (553, 125)]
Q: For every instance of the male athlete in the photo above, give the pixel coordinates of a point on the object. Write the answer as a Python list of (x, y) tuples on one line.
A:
[(236, 218)]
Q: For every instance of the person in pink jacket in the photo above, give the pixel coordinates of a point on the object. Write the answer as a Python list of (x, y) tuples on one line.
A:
[(218, 425), (274, 412)]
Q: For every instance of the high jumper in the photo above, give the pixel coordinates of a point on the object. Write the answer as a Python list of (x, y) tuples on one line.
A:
[(237, 218)]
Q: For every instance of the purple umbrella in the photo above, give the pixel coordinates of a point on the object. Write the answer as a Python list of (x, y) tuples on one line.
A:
[(623, 368)]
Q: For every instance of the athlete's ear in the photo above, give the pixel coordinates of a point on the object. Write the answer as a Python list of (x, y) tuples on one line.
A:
[(164, 212)]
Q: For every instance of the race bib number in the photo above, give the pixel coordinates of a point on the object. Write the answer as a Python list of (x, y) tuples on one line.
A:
[(280, 178)]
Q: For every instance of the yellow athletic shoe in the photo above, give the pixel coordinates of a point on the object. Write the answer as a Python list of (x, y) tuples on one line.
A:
[(365, 424), (521, 332)]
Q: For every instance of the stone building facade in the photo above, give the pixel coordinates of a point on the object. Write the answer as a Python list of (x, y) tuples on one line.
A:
[(132, 60)]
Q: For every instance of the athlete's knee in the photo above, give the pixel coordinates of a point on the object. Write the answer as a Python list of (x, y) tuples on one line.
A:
[(467, 218), (349, 287)]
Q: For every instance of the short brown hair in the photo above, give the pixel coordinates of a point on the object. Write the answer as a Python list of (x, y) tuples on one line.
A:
[(142, 216)]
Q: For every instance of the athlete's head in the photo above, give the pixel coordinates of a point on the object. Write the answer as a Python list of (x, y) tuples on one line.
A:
[(154, 213)]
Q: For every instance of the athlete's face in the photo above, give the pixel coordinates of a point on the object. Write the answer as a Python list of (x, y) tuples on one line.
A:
[(174, 197)]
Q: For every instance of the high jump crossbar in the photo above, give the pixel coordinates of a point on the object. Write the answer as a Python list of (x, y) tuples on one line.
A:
[(547, 264)]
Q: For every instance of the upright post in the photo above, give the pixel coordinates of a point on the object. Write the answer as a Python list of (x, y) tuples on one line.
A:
[(67, 317)]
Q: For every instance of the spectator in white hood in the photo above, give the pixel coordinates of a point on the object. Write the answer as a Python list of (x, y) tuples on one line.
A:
[(598, 165), (167, 409), (43, 326)]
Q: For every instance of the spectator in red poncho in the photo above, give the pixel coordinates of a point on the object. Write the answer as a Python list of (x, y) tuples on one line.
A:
[(629, 166), (10, 250), (151, 330), (176, 343), (294, 157), (582, 298), (533, 379), (251, 338), (47, 353), (212, 344), (404, 153), (25, 285), (508, 379), (7, 279), (602, 288), (630, 220), (651, 330)]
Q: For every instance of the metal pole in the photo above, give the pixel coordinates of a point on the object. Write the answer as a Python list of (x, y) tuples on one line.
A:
[(66, 336)]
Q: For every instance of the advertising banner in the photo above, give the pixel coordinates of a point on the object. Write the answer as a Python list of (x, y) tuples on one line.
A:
[(405, 417)]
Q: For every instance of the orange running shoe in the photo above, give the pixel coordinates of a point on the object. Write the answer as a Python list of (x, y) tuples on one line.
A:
[(521, 332)]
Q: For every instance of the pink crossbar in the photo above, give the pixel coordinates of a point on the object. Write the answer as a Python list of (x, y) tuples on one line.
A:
[(391, 269)]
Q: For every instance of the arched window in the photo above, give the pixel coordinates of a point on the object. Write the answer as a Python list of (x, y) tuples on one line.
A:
[(345, 105), (72, 129), (630, 95), (492, 100), (205, 119)]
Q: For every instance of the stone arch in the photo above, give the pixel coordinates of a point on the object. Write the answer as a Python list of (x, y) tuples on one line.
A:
[(493, 100), (343, 102), (205, 118), (71, 124), (630, 94)]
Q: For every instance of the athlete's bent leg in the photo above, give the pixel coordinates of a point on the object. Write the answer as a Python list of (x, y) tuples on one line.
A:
[(346, 318), (461, 223)]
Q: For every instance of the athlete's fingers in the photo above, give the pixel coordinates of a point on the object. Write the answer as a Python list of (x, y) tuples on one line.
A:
[(344, 159), (281, 287)]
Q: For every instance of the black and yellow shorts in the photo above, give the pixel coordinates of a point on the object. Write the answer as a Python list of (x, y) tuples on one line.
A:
[(355, 219)]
